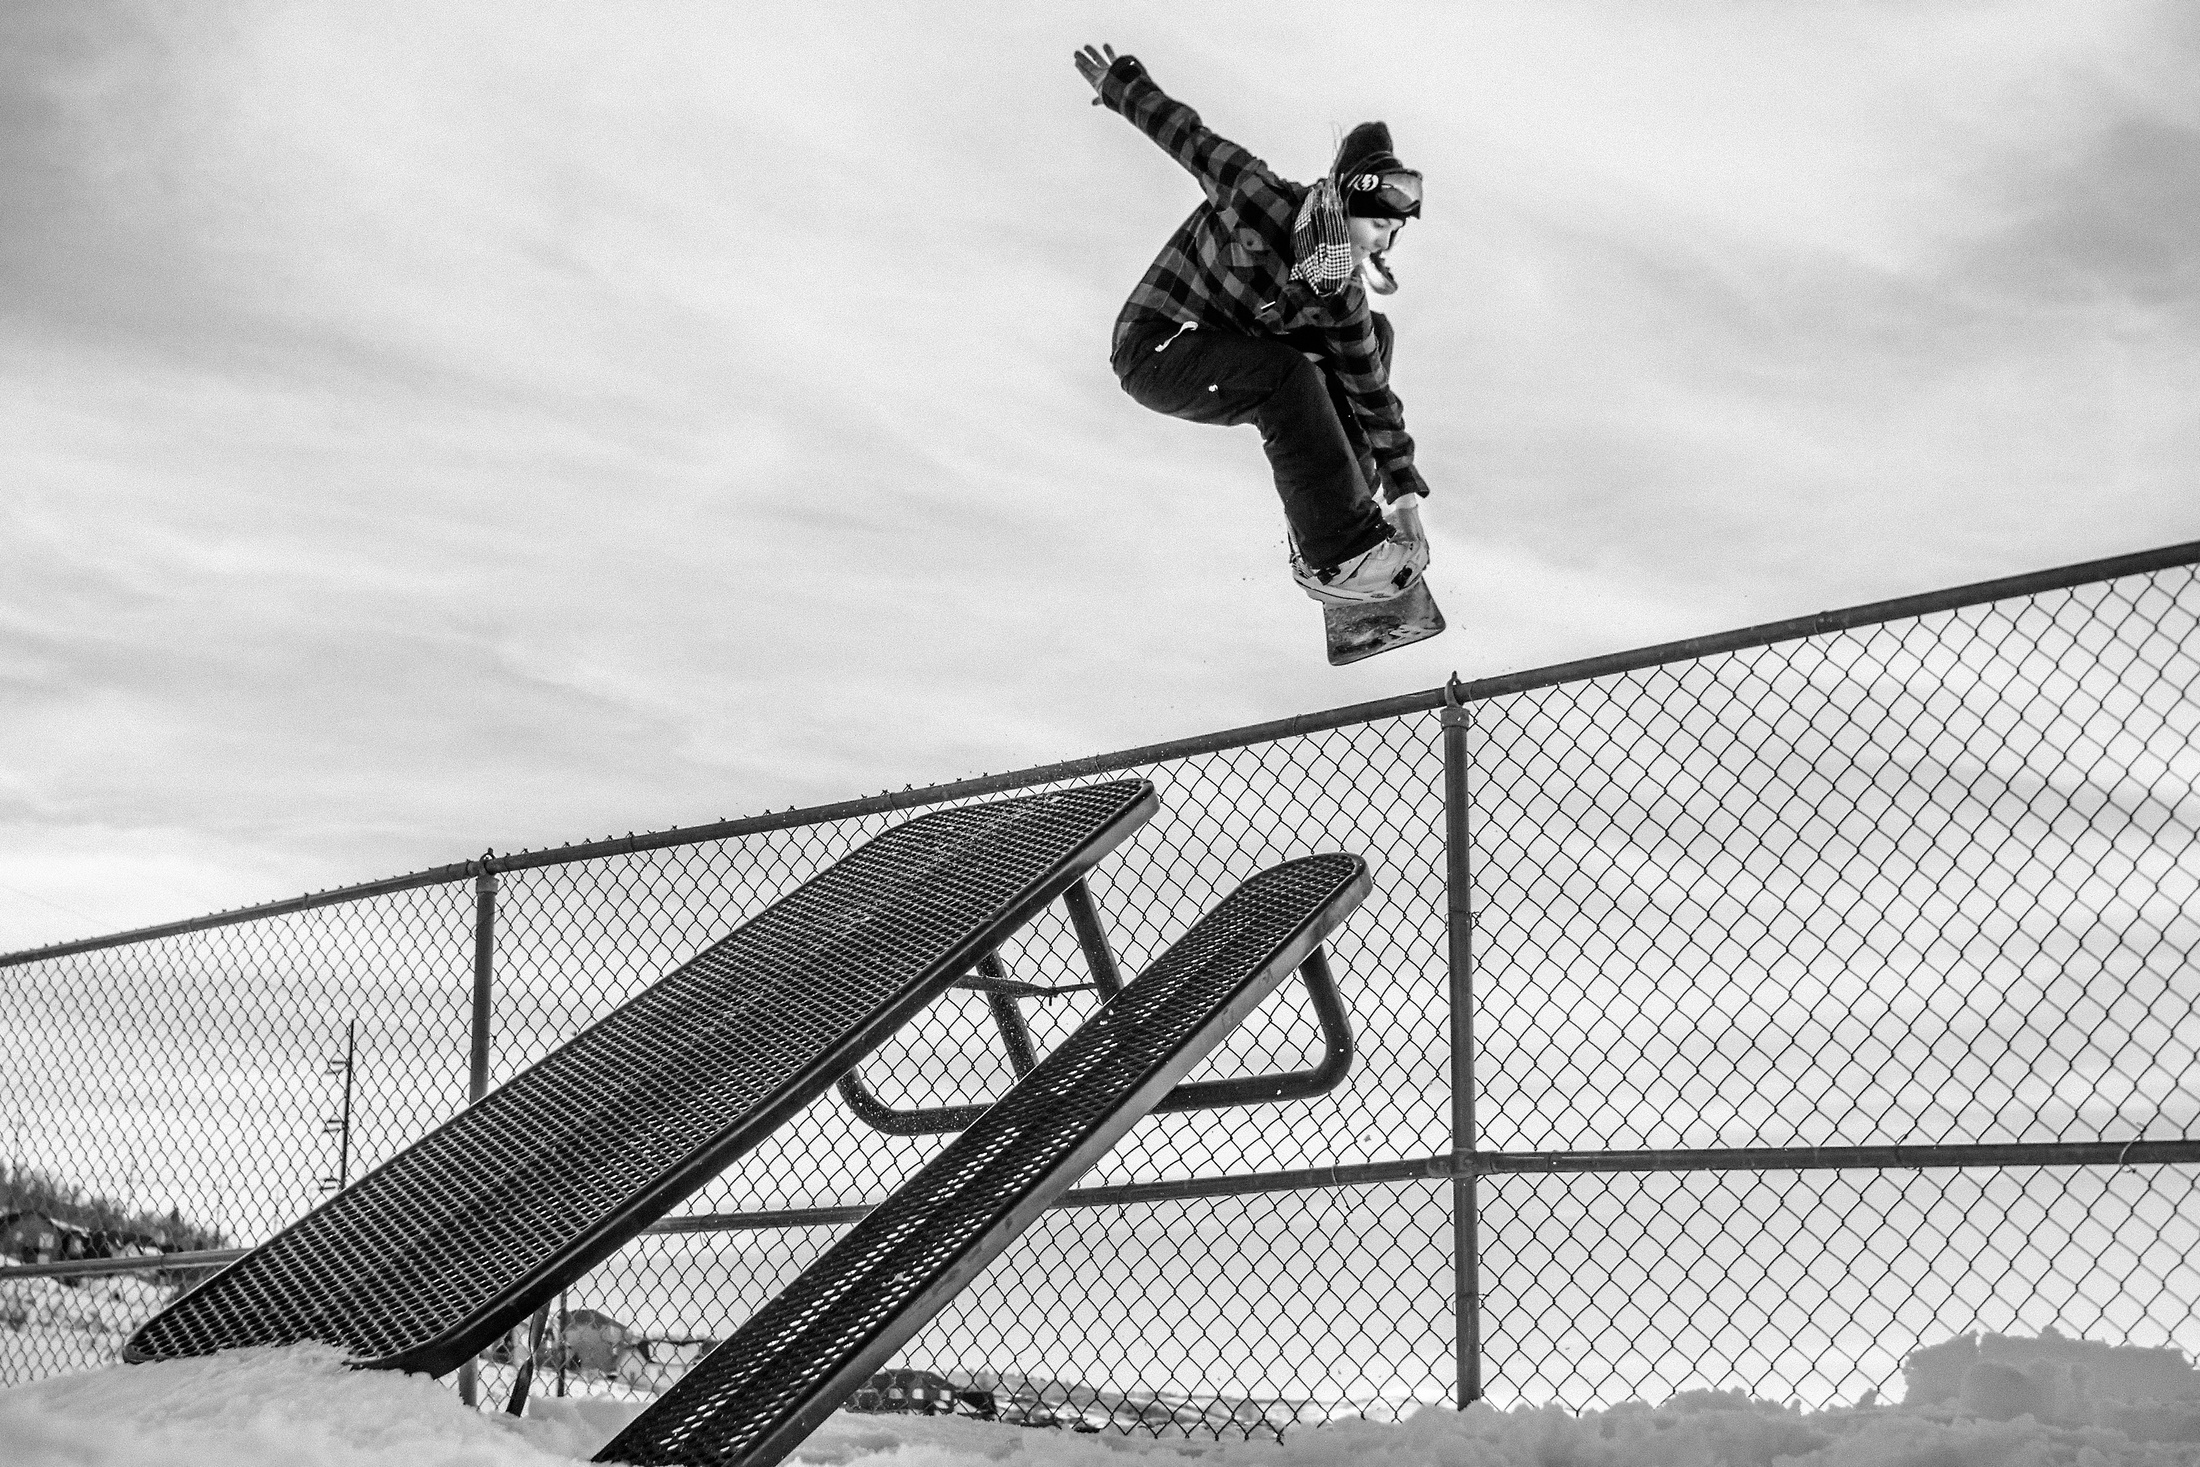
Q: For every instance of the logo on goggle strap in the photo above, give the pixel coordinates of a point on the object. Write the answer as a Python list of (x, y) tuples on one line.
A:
[(1367, 181)]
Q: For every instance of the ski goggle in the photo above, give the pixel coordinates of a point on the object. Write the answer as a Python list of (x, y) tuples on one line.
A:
[(1382, 195)]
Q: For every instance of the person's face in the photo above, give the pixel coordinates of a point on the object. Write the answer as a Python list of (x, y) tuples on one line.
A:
[(1372, 236)]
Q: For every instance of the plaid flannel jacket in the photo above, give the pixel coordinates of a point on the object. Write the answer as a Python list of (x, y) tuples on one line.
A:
[(1229, 267)]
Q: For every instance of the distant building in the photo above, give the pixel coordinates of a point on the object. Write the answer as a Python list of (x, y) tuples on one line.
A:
[(30, 1237)]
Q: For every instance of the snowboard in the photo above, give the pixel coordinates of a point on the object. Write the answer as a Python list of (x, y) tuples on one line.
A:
[(1372, 627)]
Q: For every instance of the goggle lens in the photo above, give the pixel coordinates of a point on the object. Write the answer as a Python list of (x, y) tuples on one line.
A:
[(1398, 192)]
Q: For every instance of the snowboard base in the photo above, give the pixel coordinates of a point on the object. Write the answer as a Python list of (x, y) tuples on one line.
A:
[(1357, 632)]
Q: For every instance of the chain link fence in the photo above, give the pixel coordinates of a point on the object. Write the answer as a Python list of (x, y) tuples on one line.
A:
[(1831, 985)]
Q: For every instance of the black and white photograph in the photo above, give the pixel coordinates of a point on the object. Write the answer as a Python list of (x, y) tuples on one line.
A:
[(885, 735)]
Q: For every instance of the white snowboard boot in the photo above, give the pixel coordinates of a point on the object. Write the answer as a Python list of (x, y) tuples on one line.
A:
[(1389, 569)]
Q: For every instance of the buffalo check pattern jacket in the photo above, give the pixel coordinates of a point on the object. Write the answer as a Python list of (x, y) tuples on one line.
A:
[(1229, 267)]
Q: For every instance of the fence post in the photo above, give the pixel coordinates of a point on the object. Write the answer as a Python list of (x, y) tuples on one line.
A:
[(485, 946), (1459, 925), (477, 1066)]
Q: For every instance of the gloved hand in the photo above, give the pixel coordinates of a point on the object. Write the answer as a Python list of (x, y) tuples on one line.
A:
[(1094, 63)]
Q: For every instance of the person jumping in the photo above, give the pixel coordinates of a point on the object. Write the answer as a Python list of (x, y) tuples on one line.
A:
[(1255, 312)]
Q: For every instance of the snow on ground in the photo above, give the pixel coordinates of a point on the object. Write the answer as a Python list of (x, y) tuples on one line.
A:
[(299, 1407), (242, 1408), (48, 1325)]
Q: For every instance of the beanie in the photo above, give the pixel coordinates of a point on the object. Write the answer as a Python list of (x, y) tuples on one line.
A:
[(1363, 162), (1367, 150)]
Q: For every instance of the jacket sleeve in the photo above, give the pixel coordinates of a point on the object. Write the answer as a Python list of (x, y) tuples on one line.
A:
[(1356, 359), (1221, 166)]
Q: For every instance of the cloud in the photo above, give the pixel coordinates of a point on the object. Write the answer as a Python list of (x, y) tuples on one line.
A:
[(519, 423)]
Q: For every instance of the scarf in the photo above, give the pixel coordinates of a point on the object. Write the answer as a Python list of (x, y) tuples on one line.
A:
[(1322, 241)]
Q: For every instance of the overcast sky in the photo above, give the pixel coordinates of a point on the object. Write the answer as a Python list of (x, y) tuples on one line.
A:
[(438, 426)]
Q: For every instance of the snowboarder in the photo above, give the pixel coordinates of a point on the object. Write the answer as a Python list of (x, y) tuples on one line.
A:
[(1255, 312)]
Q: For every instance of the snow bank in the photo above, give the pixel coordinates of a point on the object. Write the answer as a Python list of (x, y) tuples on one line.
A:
[(2056, 1378), (244, 1408), (299, 1407)]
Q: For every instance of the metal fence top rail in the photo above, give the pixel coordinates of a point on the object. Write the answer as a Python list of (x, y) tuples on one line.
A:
[(1580, 670)]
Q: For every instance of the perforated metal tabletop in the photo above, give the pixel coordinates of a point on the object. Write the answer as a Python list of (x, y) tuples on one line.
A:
[(423, 1261)]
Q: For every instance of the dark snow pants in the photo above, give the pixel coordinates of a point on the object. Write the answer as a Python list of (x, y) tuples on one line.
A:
[(1324, 471)]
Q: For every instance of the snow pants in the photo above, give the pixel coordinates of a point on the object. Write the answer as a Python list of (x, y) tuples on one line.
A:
[(1324, 471)]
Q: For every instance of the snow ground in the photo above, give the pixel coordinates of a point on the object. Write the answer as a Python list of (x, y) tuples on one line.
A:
[(48, 1326), (299, 1407)]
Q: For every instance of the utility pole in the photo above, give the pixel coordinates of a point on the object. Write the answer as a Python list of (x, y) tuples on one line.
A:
[(341, 1123)]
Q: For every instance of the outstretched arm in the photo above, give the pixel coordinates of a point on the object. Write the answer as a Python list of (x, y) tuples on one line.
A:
[(1121, 83)]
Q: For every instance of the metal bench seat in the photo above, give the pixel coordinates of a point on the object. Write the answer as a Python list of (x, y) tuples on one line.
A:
[(421, 1263), (756, 1396)]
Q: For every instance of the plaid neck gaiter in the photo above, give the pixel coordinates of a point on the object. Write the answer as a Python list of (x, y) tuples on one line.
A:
[(1322, 241)]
